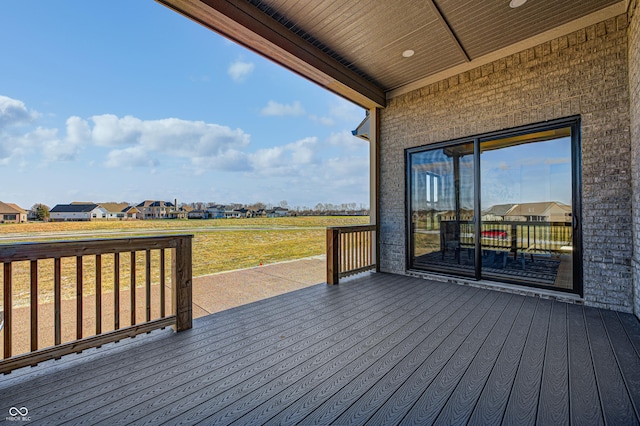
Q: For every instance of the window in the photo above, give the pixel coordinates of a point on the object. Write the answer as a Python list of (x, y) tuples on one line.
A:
[(499, 206)]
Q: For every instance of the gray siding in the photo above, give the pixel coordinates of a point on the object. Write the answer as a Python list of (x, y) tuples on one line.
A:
[(584, 73)]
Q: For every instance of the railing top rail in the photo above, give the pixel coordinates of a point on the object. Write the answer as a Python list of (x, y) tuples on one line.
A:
[(15, 252), (512, 222), (353, 228)]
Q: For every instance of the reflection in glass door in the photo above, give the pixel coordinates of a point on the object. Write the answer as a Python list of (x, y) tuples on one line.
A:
[(526, 204), (442, 209), (503, 207)]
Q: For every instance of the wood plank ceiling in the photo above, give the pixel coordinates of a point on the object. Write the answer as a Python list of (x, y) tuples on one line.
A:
[(366, 38)]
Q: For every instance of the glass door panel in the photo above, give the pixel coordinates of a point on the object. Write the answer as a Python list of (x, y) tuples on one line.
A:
[(442, 209), (526, 204)]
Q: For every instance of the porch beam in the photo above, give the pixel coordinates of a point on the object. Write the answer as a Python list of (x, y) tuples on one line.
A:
[(253, 29)]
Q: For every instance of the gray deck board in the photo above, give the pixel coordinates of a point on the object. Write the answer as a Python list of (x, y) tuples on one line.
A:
[(553, 405), (210, 361), (522, 406), (483, 343), (421, 365), (380, 349), (616, 403), (583, 389), (463, 399)]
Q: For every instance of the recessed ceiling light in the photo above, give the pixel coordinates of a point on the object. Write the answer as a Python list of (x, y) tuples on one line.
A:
[(408, 53), (516, 3)]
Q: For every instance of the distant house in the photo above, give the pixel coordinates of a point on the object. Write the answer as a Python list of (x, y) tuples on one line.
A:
[(197, 214), (76, 212), (132, 212), (115, 210), (216, 211), (152, 209), (550, 211), (179, 212), (497, 212), (236, 213), (11, 213), (277, 212)]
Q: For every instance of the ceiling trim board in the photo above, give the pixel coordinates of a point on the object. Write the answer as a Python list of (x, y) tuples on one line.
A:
[(436, 10)]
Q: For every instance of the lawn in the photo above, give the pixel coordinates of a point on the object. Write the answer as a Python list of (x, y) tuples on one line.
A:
[(218, 245)]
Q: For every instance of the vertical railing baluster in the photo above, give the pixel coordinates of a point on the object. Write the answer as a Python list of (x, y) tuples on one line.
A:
[(34, 305), (148, 286), (8, 304), (98, 293), (358, 249), (116, 291), (79, 294), (340, 247), (57, 300), (132, 288), (162, 282), (350, 252), (360, 246), (362, 235)]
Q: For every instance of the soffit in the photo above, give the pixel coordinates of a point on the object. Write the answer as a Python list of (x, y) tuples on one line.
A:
[(354, 48)]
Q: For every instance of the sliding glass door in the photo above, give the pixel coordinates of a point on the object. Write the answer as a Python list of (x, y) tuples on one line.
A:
[(502, 207), (442, 208)]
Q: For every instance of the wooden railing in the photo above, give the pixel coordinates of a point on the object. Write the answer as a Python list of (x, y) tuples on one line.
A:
[(350, 250), (108, 285)]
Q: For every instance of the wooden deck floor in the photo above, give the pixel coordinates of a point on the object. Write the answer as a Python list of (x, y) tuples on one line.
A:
[(380, 350)]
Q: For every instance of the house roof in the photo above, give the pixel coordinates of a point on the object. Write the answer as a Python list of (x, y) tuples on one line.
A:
[(10, 208), (499, 209), (155, 203), (74, 208), (355, 48), (114, 207), (536, 209)]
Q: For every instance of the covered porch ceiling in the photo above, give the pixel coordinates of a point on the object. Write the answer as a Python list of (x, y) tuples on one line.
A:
[(355, 48)]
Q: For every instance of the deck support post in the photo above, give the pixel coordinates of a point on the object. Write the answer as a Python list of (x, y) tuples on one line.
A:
[(181, 288), (333, 251)]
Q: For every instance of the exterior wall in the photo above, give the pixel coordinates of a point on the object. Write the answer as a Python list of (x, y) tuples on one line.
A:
[(584, 73), (634, 95), (63, 216)]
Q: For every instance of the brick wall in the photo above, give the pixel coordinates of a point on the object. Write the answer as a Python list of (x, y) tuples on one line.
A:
[(634, 95), (584, 73)]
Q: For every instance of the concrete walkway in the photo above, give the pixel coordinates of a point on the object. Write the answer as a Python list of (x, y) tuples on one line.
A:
[(217, 292), (211, 293)]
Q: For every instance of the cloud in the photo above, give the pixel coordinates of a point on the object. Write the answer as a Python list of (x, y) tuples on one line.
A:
[(286, 159), (130, 158), (347, 141), (205, 144), (109, 130), (345, 111), (239, 70), (14, 112), (274, 108), (325, 121), (43, 141)]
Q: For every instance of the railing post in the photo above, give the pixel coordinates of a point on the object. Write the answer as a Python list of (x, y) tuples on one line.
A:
[(181, 288), (333, 251)]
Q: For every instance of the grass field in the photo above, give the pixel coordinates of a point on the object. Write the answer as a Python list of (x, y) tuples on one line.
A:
[(218, 245)]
